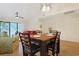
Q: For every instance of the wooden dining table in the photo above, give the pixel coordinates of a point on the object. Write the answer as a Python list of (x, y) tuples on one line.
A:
[(43, 39)]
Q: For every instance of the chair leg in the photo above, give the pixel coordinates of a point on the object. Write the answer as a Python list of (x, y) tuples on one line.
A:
[(56, 54), (53, 53), (32, 54), (25, 54)]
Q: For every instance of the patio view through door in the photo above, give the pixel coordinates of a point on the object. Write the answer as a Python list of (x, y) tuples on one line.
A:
[(10, 27)]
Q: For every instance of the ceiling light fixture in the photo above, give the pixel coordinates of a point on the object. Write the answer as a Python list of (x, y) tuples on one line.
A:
[(17, 16), (45, 7)]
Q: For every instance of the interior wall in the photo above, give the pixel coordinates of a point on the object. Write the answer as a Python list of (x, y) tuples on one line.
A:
[(32, 24), (68, 25)]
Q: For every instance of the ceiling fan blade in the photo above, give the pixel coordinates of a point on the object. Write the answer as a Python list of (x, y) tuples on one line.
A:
[(17, 15)]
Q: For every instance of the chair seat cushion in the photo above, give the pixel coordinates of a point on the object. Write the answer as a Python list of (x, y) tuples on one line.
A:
[(51, 44), (34, 48)]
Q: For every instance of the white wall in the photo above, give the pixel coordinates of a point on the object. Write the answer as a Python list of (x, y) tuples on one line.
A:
[(67, 24), (32, 24)]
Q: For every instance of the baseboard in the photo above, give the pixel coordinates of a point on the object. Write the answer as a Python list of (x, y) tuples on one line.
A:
[(75, 40)]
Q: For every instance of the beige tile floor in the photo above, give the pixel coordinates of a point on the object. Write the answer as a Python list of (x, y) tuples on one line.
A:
[(66, 49)]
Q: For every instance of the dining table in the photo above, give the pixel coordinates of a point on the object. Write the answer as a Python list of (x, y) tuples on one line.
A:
[(43, 39)]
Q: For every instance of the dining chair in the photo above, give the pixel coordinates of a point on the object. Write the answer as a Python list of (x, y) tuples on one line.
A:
[(54, 45), (28, 47)]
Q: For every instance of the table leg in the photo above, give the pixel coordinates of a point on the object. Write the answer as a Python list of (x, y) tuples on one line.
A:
[(44, 50)]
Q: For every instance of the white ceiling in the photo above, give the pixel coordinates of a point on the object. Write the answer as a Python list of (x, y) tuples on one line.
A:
[(32, 10), (26, 10)]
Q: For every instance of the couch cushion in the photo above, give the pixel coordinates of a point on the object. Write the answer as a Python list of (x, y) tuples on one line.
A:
[(5, 44), (3, 34), (8, 45)]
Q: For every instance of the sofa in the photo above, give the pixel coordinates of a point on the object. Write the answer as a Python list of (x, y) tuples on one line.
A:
[(8, 44)]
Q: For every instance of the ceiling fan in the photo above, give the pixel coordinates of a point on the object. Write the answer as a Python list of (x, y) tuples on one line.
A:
[(17, 15)]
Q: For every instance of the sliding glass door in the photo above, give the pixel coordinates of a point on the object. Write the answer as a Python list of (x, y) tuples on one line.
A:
[(20, 27), (0, 27), (13, 29), (5, 27), (10, 27)]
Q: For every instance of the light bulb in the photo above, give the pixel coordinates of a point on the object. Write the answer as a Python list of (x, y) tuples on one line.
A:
[(48, 8), (44, 8)]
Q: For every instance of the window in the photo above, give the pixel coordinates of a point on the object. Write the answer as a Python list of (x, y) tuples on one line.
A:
[(5, 27), (20, 27), (0, 26), (10, 27), (13, 29)]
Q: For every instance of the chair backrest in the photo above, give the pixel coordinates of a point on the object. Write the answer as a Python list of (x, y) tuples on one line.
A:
[(55, 32), (26, 42), (58, 37)]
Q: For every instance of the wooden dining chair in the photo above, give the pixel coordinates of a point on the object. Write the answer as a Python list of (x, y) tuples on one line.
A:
[(28, 47), (54, 45)]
